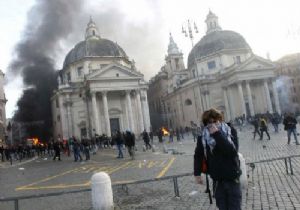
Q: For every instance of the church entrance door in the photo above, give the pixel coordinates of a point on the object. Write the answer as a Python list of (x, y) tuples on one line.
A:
[(114, 124)]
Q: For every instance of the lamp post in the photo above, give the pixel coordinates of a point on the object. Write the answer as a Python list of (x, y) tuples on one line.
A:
[(189, 28)]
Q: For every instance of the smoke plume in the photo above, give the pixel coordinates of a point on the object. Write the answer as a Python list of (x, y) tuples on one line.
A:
[(48, 24)]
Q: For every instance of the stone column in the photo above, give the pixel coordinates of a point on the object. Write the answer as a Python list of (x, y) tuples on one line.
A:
[(275, 94), (64, 124), (200, 102), (240, 88), (267, 92), (249, 95), (129, 105), (146, 112), (207, 100), (231, 102), (106, 114), (139, 103), (207, 97), (204, 104), (227, 108), (178, 121), (69, 116), (96, 113)]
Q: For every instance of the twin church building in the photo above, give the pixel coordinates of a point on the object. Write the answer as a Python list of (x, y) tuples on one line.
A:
[(101, 91)]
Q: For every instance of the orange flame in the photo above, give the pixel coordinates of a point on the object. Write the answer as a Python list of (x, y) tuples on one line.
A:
[(165, 131)]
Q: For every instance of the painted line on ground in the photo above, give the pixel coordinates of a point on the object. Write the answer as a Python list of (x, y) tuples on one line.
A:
[(165, 169)]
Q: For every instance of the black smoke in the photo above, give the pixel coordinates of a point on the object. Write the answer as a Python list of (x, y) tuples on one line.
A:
[(48, 24)]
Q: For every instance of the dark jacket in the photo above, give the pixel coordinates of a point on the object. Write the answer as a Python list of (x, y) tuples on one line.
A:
[(146, 136), (289, 122), (223, 162), (129, 139), (119, 138)]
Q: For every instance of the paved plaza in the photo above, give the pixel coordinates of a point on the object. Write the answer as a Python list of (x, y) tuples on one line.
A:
[(270, 187)]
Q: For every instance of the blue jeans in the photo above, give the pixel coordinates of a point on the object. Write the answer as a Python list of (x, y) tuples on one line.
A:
[(77, 155), (289, 132), (228, 195), (120, 146)]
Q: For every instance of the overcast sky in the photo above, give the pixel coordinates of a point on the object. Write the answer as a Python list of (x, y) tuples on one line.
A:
[(142, 29)]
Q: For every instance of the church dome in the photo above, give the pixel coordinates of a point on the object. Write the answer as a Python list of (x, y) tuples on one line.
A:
[(94, 48), (216, 41)]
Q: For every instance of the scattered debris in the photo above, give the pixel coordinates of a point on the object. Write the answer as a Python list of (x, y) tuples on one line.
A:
[(193, 193)]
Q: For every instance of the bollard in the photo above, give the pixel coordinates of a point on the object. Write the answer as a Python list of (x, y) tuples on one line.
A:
[(102, 195)]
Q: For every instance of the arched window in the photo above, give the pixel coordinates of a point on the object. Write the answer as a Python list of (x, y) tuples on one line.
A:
[(188, 102), (94, 33)]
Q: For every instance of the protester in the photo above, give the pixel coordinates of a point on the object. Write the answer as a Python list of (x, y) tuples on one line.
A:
[(86, 149), (215, 147), (130, 143), (290, 123), (151, 135), (255, 123), (263, 128), (160, 135), (76, 150), (146, 140), (56, 148), (119, 143)]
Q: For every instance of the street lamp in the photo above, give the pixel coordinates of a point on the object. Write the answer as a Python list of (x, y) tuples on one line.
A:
[(189, 28), (189, 31)]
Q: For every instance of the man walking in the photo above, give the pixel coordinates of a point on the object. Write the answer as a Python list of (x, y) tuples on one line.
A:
[(130, 143), (256, 128), (119, 142), (263, 128), (290, 123), (76, 150), (56, 148), (146, 139)]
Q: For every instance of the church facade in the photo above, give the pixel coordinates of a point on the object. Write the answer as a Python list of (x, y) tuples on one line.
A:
[(100, 91), (222, 72)]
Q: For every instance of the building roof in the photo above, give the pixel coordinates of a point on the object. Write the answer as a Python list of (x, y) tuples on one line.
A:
[(94, 48), (216, 41)]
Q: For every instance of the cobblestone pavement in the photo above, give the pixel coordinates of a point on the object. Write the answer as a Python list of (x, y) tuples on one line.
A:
[(270, 187)]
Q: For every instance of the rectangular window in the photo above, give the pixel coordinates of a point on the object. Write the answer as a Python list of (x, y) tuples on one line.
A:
[(177, 63), (69, 77), (103, 65), (238, 59), (57, 103), (194, 74), (211, 65), (79, 71)]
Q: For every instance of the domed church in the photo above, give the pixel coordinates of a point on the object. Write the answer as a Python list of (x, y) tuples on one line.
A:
[(222, 72), (99, 91)]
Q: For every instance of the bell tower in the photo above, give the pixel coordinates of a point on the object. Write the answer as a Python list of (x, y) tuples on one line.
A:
[(212, 23), (91, 31)]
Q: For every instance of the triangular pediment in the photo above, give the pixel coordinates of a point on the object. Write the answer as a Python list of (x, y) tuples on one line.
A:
[(256, 63), (114, 71)]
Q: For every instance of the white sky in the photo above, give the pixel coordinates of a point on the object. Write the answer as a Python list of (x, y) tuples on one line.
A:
[(267, 25)]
